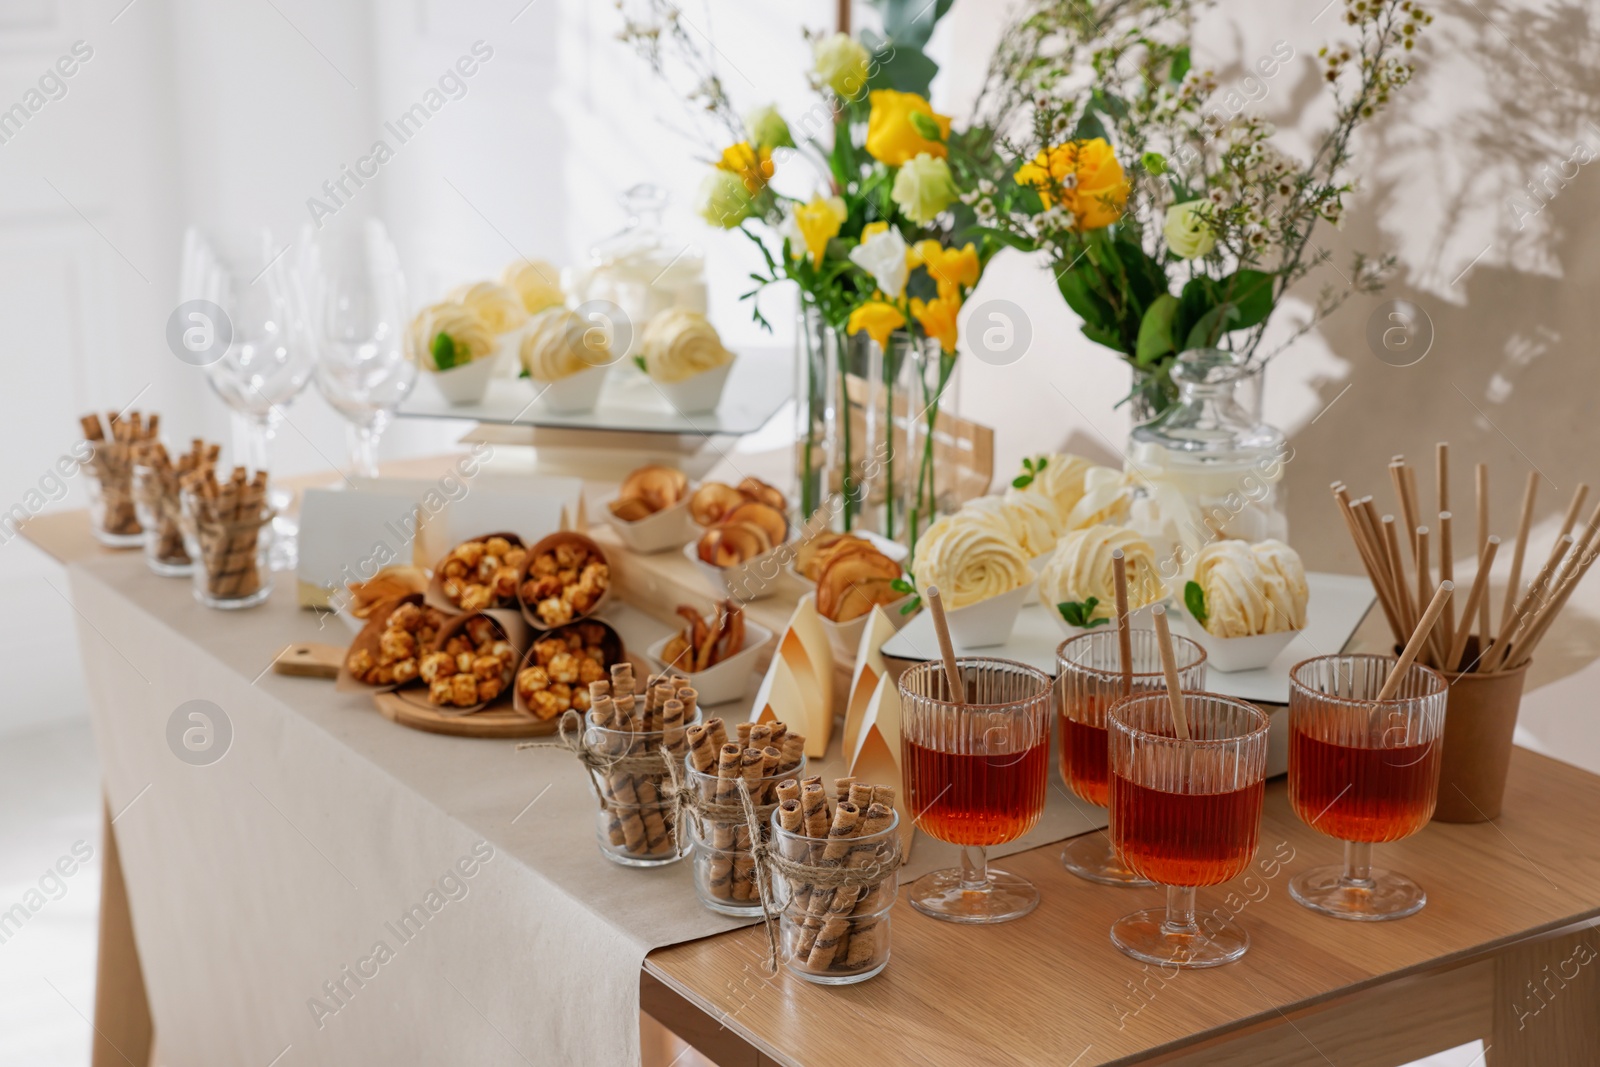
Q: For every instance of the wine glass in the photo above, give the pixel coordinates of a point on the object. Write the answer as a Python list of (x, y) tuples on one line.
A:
[(1185, 813), (250, 277), (358, 307), (1362, 770), (1091, 680), (975, 776)]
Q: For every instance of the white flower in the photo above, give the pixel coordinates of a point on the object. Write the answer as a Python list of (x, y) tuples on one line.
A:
[(923, 188), (1188, 229), (883, 255), (841, 63)]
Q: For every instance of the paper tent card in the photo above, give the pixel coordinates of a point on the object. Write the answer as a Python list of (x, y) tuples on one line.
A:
[(798, 687), (869, 667), (876, 757)]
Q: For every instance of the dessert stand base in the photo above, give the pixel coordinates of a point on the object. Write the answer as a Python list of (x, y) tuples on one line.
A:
[(1382, 896), (1146, 935), (943, 895), (1091, 857)]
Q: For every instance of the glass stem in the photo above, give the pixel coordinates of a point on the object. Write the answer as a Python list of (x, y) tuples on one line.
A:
[(974, 869), (364, 449), (1357, 863), (1180, 910)]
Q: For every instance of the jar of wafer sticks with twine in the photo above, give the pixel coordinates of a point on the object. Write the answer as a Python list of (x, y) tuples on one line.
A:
[(631, 745), (711, 808), (113, 516), (227, 532), (833, 872), (157, 479)]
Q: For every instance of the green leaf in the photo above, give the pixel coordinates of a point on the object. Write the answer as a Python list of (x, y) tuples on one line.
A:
[(911, 22), (443, 350), (1100, 336), (902, 66), (1089, 127), (1155, 330), (1180, 65), (1251, 292), (1194, 598), (638, 361), (1081, 614), (1212, 325), (900, 585), (1022, 481)]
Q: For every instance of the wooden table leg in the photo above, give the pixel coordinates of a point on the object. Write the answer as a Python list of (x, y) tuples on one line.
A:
[(121, 1010), (1547, 1000)]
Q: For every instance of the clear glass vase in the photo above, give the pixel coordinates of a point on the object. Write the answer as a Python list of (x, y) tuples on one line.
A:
[(1207, 466), (814, 363), (929, 488)]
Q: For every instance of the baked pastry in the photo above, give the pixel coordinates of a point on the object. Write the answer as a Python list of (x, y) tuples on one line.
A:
[(712, 501), (470, 338), (678, 344), (1249, 589), (705, 642), (536, 283), (854, 582), (969, 558), (649, 489), (729, 544), (559, 344), (565, 582), (1081, 572), (482, 573), (500, 309)]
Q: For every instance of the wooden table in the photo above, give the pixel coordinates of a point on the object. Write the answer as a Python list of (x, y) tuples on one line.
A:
[(1502, 952)]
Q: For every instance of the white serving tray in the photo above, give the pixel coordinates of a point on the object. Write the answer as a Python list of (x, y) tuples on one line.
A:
[(758, 385), (1338, 604)]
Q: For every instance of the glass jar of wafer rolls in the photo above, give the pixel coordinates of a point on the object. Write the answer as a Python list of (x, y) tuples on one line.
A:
[(770, 760), (841, 881), (227, 532), (624, 737)]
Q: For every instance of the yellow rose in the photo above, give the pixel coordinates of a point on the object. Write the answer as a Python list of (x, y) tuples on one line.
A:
[(892, 135), (813, 225), (752, 165), (938, 319), (878, 319), (951, 269), (1097, 189)]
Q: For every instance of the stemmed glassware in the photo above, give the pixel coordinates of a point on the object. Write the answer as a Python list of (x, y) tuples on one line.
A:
[(1364, 771), (1185, 813), (358, 325), (250, 276), (1091, 680), (975, 773)]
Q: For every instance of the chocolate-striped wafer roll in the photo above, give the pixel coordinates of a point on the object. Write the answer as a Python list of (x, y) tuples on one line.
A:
[(870, 899), (794, 749), (814, 804), (691, 701), (653, 813), (720, 870), (883, 794), (760, 735), (787, 790), (841, 789), (622, 679), (626, 810), (743, 730), (792, 820), (836, 927), (702, 754), (770, 758), (672, 734), (810, 779), (860, 795), (776, 737), (599, 688), (846, 822)]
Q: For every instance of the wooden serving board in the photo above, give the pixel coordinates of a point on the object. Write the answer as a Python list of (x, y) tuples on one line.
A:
[(496, 722)]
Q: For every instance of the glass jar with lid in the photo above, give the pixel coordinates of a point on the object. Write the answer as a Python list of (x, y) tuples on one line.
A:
[(1206, 468)]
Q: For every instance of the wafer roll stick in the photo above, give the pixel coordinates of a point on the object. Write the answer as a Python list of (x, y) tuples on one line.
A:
[(846, 824), (720, 868), (860, 795), (866, 928), (883, 794), (830, 950), (701, 753), (672, 732), (841, 789), (771, 759), (787, 790), (794, 749), (691, 701)]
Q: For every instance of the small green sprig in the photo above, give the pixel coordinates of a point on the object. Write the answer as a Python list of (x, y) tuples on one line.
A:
[(444, 351), (1194, 598), (1031, 469), (900, 585), (1081, 614)]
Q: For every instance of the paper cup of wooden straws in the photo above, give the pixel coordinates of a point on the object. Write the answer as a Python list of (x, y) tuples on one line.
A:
[(227, 532), (157, 482), (763, 756), (113, 515), (834, 871), (1483, 651)]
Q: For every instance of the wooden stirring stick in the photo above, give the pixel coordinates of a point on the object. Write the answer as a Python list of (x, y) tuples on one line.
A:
[(941, 628), (1169, 665), (1419, 636), (1119, 571), (1482, 483), (1517, 554), (1475, 598)]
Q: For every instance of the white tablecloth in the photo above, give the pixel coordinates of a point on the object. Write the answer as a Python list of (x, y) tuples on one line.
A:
[(306, 896)]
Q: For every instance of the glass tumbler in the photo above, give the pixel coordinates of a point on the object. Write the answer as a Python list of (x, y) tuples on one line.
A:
[(976, 772), (231, 559), (634, 825), (1089, 672), (1185, 813), (159, 512), (1364, 771), (113, 516), (837, 936), (724, 871)]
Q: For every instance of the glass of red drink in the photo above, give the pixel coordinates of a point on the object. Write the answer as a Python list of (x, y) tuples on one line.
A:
[(1090, 680), (1364, 771), (1185, 814), (975, 774)]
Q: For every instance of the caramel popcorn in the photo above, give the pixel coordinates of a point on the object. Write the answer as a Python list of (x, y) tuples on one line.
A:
[(482, 574), (560, 667)]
